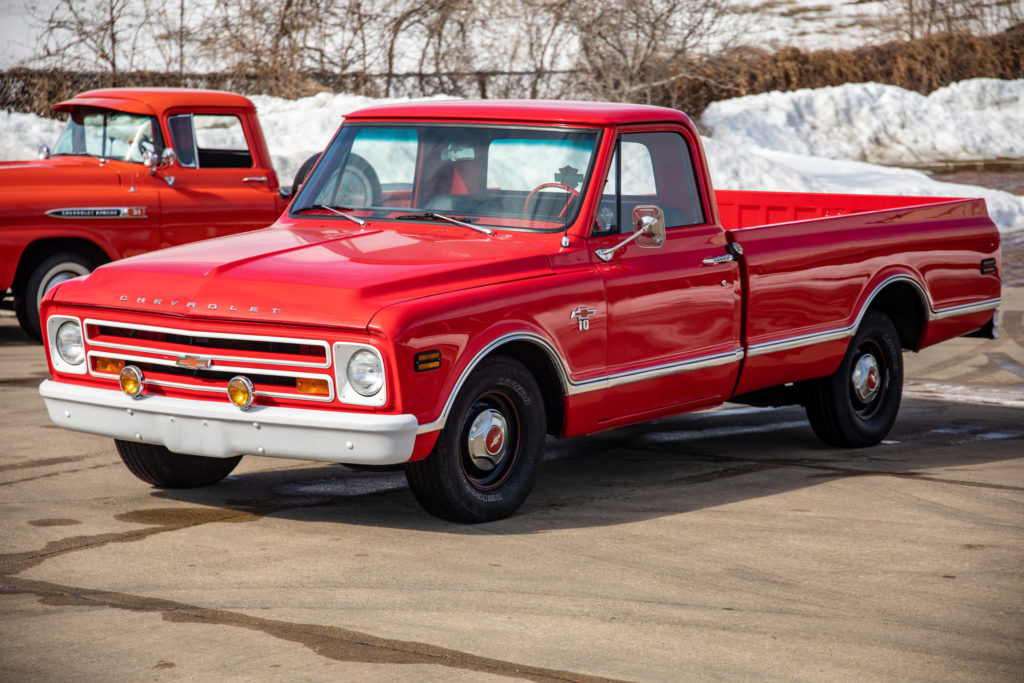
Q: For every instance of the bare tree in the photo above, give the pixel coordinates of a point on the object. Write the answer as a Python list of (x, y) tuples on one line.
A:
[(84, 34), (173, 28), (632, 47), (258, 35), (913, 19)]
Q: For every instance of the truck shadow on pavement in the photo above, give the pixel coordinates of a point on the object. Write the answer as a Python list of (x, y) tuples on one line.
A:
[(659, 469)]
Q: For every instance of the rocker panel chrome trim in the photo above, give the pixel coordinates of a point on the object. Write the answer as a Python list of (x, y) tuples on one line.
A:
[(571, 388), (838, 334)]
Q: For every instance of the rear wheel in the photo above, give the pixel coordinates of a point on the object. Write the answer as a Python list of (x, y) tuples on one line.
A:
[(160, 467), (50, 272), (857, 405), (489, 453)]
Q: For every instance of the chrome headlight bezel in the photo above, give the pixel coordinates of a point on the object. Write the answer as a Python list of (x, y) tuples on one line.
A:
[(350, 389), (62, 359)]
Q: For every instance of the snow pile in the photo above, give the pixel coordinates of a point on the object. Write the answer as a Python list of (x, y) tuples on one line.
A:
[(976, 119), (803, 141), (297, 129), (820, 140), (22, 134)]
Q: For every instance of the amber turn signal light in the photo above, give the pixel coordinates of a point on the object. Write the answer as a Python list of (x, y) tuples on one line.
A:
[(132, 381), (112, 366), (241, 392), (314, 387), (427, 360)]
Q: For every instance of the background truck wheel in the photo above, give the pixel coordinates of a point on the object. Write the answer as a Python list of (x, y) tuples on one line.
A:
[(51, 271), (300, 175), (158, 466), (857, 405), (489, 453)]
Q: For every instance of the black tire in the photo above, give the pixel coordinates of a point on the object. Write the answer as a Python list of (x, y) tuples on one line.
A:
[(359, 185), (854, 408), (480, 477), (300, 175), (50, 271), (160, 467)]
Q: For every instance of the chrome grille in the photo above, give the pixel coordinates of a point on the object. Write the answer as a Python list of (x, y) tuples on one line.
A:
[(200, 361)]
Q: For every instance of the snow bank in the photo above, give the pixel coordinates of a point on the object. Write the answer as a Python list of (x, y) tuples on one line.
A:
[(22, 134), (804, 141), (297, 129), (820, 140), (977, 119)]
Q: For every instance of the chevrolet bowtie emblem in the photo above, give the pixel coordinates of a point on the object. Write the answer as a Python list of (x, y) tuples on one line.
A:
[(193, 362), (582, 316)]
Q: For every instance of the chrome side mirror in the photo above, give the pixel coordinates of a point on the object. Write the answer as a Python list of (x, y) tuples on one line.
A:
[(164, 160), (150, 160), (44, 152), (649, 226), (168, 157), (648, 231)]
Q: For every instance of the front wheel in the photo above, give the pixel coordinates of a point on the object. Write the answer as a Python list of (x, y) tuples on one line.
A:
[(160, 467), (856, 406), (488, 455)]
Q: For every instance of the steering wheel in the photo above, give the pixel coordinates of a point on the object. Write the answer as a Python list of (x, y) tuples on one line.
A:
[(573, 194)]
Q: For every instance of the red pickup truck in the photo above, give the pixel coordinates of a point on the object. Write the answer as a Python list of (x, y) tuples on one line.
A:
[(457, 280), (134, 170)]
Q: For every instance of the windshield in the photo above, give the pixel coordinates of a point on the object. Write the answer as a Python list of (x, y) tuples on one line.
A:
[(498, 176), (110, 134)]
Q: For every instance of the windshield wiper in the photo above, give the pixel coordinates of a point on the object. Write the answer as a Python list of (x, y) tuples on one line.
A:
[(429, 216), (339, 210)]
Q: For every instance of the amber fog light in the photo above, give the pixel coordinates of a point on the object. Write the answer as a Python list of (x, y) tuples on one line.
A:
[(132, 381), (241, 392), (315, 387), (110, 366)]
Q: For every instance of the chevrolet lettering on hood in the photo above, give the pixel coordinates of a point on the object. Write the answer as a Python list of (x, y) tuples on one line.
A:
[(193, 304)]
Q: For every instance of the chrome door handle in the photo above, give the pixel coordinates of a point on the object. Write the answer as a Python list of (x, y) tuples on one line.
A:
[(255, 179), (716, 260)]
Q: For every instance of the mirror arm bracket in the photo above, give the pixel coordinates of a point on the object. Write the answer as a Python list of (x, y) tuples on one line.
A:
[(645, 225), (606, 254)]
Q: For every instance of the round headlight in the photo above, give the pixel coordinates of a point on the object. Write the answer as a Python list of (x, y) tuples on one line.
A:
[(69, 343), (365, 372)]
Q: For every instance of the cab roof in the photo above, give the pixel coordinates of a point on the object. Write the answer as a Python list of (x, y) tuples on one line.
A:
[(152, 101), (522, 111)]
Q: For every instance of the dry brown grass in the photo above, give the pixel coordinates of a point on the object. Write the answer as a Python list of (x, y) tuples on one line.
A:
[(922, 65)]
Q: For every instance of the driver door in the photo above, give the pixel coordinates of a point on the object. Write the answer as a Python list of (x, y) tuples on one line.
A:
[(217, 189), (673, 316)]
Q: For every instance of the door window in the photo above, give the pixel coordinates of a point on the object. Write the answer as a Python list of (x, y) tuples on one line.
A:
[(650, 168), (210, 141)]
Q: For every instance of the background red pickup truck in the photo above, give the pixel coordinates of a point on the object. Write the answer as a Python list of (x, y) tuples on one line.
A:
[(95, 198), (457, 280)]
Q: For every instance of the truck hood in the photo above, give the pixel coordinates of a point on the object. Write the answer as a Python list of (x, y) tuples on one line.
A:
[(16, 175), (308, 275)]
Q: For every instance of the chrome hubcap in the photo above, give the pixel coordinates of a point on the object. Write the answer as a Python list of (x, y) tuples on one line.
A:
[(487, 440), (866, 378)]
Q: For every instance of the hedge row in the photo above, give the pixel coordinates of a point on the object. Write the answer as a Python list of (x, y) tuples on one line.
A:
[(921, 65)]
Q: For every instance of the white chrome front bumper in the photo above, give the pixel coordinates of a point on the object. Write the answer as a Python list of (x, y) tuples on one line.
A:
[(220, 430)]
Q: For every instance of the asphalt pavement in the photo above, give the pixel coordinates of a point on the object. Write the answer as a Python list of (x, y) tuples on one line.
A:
[(723, 545)]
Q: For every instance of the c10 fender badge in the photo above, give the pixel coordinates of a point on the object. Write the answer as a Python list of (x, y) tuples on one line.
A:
[(582, 316)]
